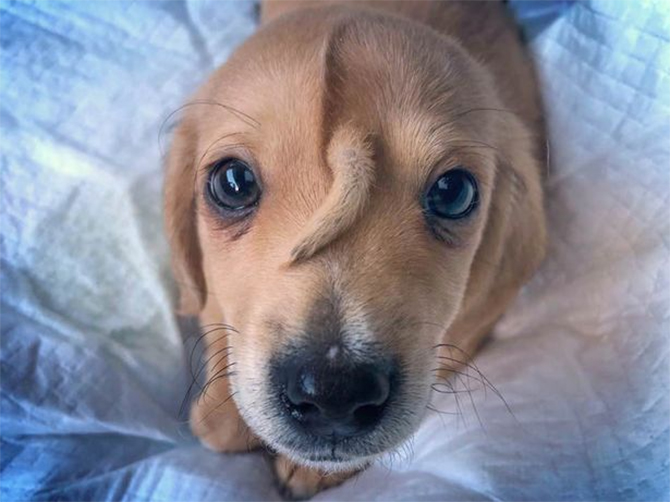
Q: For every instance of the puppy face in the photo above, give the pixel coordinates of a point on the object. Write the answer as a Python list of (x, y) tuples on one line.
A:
[(339, 194)]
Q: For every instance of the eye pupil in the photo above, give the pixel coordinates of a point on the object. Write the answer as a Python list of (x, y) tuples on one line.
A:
[(453, 195), (232, 185), (238, 180)]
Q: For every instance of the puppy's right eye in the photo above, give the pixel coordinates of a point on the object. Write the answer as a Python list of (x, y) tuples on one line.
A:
[(232, 185)]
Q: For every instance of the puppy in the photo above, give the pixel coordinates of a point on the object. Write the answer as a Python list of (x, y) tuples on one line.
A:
[(352, 201)]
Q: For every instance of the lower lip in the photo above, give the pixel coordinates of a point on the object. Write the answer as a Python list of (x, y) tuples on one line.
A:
[(327, 458)]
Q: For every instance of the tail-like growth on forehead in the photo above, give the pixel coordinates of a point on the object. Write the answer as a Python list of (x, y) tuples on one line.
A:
[(350, 159)]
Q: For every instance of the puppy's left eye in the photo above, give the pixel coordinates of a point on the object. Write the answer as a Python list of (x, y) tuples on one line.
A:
[(232, 185), (453, 196)]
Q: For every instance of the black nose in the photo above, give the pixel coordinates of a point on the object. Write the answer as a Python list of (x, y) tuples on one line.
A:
[(335, 400)]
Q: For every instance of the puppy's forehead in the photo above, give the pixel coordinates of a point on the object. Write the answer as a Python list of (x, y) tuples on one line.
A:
[(305, 75)]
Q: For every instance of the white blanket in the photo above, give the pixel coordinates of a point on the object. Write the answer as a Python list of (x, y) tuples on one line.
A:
[(93, 363)]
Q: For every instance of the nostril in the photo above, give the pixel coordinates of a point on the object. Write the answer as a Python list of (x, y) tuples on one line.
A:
[(299, 408), (369, 414), (306, 409)]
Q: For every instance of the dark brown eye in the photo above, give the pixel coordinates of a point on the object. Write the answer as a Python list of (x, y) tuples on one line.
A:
[(453, 196), (232, 185)]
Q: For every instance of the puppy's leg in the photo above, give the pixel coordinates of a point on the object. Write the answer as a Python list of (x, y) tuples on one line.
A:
[(215, 418), (299, 483)]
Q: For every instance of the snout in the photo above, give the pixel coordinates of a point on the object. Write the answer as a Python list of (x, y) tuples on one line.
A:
[(335, 399), (336, 390)]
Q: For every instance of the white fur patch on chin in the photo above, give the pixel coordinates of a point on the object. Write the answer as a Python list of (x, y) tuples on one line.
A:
[(326, 466), (332, 467)]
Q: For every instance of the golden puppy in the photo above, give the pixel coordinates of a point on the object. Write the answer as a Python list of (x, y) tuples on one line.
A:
[(358, 187)]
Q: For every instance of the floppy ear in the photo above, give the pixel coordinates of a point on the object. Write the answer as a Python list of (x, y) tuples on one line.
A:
[(181, 222), (514, 240)]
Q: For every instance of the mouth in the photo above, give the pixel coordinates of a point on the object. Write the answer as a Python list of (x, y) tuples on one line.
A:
[(333, 457), (332, 460), (334, 452)]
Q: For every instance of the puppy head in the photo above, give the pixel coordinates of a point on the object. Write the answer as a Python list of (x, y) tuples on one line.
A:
[(341, 194)]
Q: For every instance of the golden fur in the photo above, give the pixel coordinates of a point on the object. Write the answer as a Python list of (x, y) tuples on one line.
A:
[(348, 111)]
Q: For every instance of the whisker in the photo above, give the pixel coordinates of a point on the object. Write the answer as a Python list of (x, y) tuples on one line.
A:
[(468, 363), (244, 117), (440, 412), (218, 376), (225, 349), (444, 367), (438, 387), (485, 380), (489, 384), (210, 328), (223, 358), (460, 410), (201, 338), (194, 380), (472, 401)]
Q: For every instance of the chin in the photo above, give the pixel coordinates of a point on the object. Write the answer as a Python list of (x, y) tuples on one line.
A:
[(328, 462)]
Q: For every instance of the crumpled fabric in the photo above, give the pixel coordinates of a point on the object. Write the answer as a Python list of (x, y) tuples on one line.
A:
[(95, 365)]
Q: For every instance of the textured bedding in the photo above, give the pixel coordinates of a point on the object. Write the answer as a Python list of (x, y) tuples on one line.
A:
[(94, 364)]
